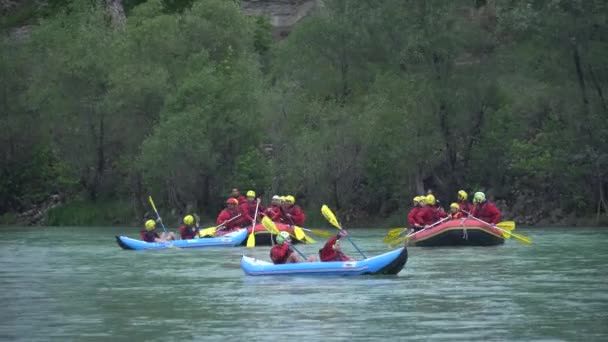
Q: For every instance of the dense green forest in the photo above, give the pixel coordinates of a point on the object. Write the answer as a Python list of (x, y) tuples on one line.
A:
[(363, 106)]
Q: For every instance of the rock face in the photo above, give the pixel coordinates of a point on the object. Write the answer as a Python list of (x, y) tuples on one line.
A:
[(283, 14)]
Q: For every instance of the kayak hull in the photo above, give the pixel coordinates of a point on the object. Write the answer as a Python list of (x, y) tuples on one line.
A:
[(387, 263), (263, 237), (462, 232), (229, 240)]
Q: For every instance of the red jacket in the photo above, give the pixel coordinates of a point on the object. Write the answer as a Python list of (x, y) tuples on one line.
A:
[(328, 253), (465, 206), (248, 210), (273, 212), (487, 211), (457, 216), (241, 199), (280, 253), (187, 232), (411, 216), (297, 215), (428, 215), (226, 215)]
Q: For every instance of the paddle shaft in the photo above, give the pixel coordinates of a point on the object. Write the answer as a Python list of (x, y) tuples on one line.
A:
[(160, 220), (227, 221), (429, 227), (518, 237)]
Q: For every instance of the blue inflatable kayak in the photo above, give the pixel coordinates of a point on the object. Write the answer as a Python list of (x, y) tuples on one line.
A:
[(387, 263), (229, 240)]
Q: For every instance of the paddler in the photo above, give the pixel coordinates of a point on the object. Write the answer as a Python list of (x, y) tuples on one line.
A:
[(274, 211), (455, 212), (227, 214), (188, 230), (463, 203), (331, 251), (236, 194), (149, 235), (281, 253), (411, 216), (292, 214), (430, 212), (484, 209), (248, 207)]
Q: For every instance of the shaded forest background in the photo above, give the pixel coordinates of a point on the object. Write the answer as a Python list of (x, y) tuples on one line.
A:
[(363, 106)]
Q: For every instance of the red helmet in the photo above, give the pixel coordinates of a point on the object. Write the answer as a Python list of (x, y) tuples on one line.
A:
[(232, 201)]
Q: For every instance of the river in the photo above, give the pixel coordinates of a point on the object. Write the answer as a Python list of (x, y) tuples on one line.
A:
[(74, 283)]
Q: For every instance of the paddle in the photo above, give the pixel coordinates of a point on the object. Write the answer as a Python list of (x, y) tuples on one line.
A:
[(212, 230), (518, 237), (297, 231), (272, 228), (318, 232), (329, 215), (157, 215), (251, 238), (399, 241)]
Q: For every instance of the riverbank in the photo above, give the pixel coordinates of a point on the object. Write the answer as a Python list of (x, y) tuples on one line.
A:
[(79, 212)]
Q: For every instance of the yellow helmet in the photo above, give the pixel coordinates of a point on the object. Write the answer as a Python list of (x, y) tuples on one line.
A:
[(189, 220), (150, 225), (250, 193), (455, 206), (416, 199), (290, 199), (430, 199), (462, 195)]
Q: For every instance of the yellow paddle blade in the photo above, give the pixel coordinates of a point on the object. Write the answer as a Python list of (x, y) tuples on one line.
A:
[(207, 232), (329, 215), (506, 225), (320, 233), (251, 239), (522, 238), (308, 240), (398, 241), (152, 203), (395, 232), (270, 226), (299, 233)]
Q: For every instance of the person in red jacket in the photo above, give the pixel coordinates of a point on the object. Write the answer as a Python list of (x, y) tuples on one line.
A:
[(274, 211), (188, 229), (411, 216), (229, 213), (248, 208), (292, 214), (281, 253), (465, 206), (149, 235), (236, 194), (455, 212), (429, 213), (485, 210), (331, 250)]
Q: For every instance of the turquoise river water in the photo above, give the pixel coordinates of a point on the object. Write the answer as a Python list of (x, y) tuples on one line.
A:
[(73, 283)]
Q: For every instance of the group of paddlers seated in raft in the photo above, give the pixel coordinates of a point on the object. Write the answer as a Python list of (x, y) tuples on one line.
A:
[(426, 210), (240, 212)]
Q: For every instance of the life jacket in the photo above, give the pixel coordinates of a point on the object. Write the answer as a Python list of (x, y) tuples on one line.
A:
[(148, 236), (457, 216), (280, 253), (188, 232), (411, 216), (328, 253)]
